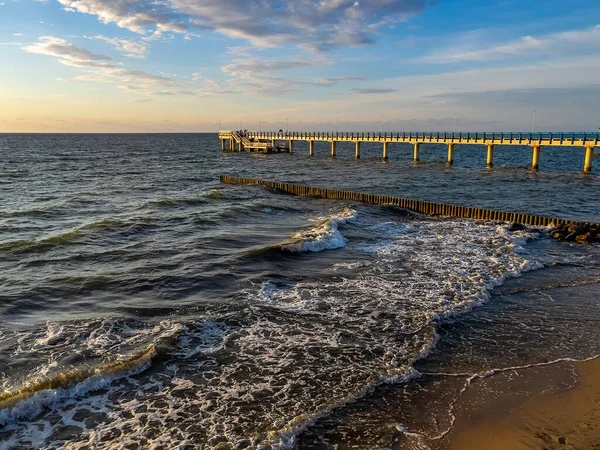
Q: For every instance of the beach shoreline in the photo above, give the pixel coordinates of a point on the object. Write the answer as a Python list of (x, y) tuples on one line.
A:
[(563, 412)]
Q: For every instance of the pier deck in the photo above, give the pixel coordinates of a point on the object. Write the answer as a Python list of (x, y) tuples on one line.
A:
[(244, 142), (268, 142)]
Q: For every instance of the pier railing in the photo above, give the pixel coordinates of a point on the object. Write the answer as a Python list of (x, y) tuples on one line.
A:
[(558, 139), (419, 206)]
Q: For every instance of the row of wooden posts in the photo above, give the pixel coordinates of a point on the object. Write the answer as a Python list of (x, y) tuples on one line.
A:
[(419, 206), (535, 160)]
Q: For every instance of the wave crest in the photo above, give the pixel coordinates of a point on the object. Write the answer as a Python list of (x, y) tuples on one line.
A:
[(22, 401), (323, 236)]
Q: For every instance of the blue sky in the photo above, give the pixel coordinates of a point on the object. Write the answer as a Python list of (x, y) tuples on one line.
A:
[(188, 65)]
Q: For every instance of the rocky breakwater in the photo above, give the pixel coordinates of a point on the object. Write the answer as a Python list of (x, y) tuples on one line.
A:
[(584, 234)]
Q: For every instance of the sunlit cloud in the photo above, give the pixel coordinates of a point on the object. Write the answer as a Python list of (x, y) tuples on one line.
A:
[(66, 52), (264, 23), (99, 68)]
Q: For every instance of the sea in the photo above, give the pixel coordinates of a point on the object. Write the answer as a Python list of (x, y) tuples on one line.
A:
[(145, 305)]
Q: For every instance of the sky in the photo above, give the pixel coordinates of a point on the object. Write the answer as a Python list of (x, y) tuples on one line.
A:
[(320, 65)]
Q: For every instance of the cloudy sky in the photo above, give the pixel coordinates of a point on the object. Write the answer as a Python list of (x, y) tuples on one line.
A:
[(190, 65)]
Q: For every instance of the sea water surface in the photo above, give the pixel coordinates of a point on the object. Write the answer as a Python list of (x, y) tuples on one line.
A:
[(145, 305)]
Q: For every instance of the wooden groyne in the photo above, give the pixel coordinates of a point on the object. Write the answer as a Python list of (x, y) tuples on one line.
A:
[(419, 206)]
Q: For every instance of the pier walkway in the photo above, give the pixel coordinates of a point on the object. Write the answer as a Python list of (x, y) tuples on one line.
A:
[(268, 142)]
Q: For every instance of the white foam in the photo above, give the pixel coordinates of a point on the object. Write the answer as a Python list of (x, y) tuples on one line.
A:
[(325, 235), (300, 350), (423, 272), (50, 398)]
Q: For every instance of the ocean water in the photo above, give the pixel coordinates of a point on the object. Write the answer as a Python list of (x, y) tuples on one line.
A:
[(145, 305)]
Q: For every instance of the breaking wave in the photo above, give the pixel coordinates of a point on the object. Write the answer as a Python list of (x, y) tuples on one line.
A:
[(30, 399), (325, 235)]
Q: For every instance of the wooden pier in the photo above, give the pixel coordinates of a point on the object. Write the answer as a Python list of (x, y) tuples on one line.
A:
[(240, 141), (269, 141)]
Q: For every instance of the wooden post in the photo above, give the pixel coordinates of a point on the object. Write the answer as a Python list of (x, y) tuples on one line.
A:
[(589, 158), (222, 145), (333, 149), (357, 149), (311, 148), (291, 146), (385, 150), (450, 154), (490, 155), (535, 163), (416, 151)]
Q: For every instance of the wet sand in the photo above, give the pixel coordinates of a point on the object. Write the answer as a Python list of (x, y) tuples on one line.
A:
[(551, 418)]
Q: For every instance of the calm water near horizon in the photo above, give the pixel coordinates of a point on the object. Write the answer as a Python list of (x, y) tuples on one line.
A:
[(244, 318)]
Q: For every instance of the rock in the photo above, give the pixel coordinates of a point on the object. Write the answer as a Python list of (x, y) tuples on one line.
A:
[(576, 229), (562, 440), (536, 230), (570, 237), (585, 238), (559, 234), (515, 226)]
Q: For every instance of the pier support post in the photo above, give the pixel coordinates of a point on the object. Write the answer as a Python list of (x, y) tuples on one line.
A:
[(490, 155), (357, 150), (333, 149), (535, 163), (291, 146), (241, 146), (311, 148), (231, 145), (589, 157), (416, 151), (385, 150), (450, 154), (222, 145)]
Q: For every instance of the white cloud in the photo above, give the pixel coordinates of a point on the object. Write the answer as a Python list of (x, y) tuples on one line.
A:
[(258, 65), (255, 75), (100, 68), (127, 47), (66, 52), (564, 43), (134, 15), (265, 23)]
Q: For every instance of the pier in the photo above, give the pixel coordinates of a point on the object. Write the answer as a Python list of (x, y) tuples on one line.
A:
[(240, 141), (268, 142)]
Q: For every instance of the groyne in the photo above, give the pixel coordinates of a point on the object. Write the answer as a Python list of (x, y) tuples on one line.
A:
[(418, 206)]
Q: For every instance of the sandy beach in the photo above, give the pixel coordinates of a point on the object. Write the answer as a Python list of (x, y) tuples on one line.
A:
[(551, 419)]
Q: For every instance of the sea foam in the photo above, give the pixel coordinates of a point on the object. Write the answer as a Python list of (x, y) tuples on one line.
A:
[(325, 235)]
